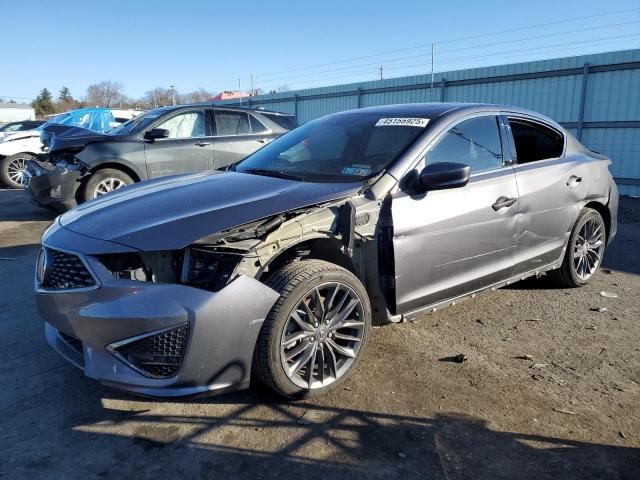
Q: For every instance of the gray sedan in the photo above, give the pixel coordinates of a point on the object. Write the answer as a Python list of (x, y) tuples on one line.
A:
[(279, 265)]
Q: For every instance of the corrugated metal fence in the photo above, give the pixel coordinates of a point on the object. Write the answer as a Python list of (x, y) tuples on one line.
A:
[(597, 97)]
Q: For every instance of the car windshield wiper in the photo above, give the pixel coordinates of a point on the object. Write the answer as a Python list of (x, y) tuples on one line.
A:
[(272, 173)]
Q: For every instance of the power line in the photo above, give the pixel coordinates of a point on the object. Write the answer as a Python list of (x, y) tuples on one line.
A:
[(460, 59), (429, 54), (539, 25)]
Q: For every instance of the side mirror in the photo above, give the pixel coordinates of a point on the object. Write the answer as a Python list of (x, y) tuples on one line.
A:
[(442, 175), (156, 133)]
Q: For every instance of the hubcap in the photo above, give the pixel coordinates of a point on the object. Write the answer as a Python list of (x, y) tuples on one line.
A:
[(587, 252), (15, 170), (322, 336), (108, 185)]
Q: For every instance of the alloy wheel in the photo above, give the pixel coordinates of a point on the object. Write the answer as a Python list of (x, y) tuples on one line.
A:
[(322, 336), (587, 251), (15, 170), (108, 185)]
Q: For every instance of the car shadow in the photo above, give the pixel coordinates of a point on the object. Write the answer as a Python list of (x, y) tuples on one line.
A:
[(259, 437), (15, 207)]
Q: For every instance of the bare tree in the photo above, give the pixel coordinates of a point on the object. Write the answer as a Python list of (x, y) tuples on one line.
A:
[(200, 95), (157, 97), (104, 94)]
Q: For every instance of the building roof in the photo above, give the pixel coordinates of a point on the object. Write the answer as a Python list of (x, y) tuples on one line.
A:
[(15, 105)]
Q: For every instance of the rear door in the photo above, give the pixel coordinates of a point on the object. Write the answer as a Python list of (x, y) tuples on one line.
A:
[(550, 187), (238, 134), (451, 242), (189, 147)]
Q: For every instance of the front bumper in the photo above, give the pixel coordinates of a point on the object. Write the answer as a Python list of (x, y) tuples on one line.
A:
[(55, 188), (223, 327)]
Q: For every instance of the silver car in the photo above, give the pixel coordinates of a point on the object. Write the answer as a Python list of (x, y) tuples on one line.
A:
[(278, 265)]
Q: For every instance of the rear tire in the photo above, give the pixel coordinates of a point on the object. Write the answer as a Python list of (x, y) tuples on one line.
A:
[(585, 250), (11, 170), (330, 332), (104, 181)]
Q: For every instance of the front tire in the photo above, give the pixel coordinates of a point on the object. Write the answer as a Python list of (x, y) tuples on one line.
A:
[(104, 181), (315, 333), (585, 250), (12, 169)]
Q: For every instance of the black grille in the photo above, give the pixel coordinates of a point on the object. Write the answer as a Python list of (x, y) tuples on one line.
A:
[(157, 356), (65, 271), (73, 342)]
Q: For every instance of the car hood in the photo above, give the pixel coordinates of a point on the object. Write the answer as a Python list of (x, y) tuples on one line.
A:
[(64, 137), (10, 136), (172, 212)]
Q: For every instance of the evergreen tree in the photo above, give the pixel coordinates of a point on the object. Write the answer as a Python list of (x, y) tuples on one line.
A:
[(43, 104), (65, 95)]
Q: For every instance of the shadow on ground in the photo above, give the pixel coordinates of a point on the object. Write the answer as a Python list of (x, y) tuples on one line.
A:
[(310, 442)]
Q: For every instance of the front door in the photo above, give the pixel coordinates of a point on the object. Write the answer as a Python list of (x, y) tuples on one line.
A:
[(456, 241), (189, 147)]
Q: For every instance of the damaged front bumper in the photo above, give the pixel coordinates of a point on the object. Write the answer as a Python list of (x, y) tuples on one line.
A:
[(52, 188), (149, 338)]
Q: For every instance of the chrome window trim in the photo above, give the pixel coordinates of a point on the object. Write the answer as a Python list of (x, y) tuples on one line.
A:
[(39, 289)]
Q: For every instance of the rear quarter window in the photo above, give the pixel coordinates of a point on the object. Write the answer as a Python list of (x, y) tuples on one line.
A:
[(535, 141), (285, 121)]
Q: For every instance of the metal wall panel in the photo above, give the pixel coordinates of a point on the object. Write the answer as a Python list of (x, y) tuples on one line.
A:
[(553, 87)]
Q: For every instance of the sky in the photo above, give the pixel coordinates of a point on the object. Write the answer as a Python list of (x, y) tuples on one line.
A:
[(209, 44)]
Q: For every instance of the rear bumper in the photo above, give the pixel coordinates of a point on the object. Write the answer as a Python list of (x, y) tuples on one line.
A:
[(55, 188), (84, 325)]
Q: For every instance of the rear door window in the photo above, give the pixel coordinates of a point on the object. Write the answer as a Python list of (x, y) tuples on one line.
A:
[(535, 141), (231, 123), (474, 142)]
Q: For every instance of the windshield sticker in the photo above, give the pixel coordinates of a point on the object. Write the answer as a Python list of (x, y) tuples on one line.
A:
[(402, 122), (358, 170)]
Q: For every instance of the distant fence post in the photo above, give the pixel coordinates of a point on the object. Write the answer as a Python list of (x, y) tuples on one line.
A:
[(359, 97), (295, 105), (583, 100), (443, 86)]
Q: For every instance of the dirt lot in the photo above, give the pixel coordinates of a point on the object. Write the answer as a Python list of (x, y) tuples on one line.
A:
[(403, 414)]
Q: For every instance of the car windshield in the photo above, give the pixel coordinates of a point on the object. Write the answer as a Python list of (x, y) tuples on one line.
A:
[(340, 148), (140, 122)]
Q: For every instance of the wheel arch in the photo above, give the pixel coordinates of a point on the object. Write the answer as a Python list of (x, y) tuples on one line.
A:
[(604, 212), (318, 248), (117, 165)]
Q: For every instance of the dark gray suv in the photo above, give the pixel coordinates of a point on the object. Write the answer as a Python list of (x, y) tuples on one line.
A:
[(163, 141)]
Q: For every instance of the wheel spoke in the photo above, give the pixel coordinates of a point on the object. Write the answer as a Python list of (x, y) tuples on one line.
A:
[(321, 364), (294, 337), (342, 315), (301, 323), (294, 352), (303, 359), (347, 352), (343, 336), (318, 304), (312, 364)]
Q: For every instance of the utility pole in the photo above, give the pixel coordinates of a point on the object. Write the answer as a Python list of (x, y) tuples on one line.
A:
[(253, 90), (380, 69), (173, 94), (240, 91), (433, 61)]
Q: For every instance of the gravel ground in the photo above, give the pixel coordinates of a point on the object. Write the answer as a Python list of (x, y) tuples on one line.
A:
[(403, 414)]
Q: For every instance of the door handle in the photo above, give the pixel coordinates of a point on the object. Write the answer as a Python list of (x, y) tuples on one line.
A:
[(503, 202), (574, 181), (203, 144), (262, 140)]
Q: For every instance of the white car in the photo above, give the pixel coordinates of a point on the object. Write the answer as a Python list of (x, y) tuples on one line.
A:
[(16, 149)]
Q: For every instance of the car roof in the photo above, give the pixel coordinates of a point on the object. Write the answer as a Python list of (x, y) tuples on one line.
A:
[(440, 109)]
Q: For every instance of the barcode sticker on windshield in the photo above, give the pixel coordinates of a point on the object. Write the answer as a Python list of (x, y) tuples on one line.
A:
[(402, 122)]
